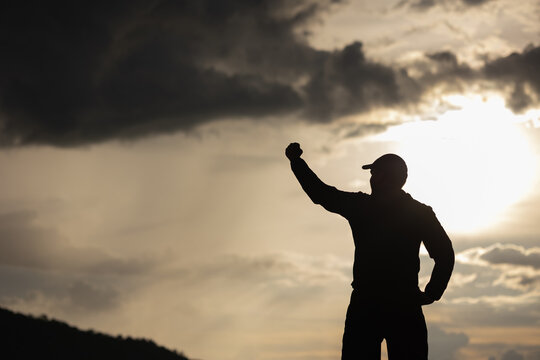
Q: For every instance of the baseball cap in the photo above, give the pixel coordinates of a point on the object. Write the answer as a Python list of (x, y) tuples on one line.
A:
[(391, 163)]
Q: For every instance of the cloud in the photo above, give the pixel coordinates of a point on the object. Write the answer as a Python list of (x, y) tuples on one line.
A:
[(285, 270), (422, 5), (507, 266), (475, 2), (513, 255), (83, 74), (444, 57), (45, 272), (512, 355), (488, 290), (279, 283), (520, 279), (502, 254), (444, 345), (25, 244), (460, 279), (520, 70), (501, 301), (444, 69), (348, 83), (87, 297), (75, 296), (520, 352), (516, 75), (75, 74), (499, 310)]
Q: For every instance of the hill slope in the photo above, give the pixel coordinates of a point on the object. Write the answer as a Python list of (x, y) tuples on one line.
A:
[(27, 337)]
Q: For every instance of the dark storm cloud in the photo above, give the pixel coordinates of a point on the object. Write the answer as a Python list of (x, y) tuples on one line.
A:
[(348, 83), (444, 68), (444, 57), (521, 70), (25, 244), (423, 4), (76, 73), (355, 130), (516, 75), (85, 72), (475, 2)]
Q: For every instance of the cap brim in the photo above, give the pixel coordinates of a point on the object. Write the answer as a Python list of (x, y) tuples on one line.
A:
[(368, 166)]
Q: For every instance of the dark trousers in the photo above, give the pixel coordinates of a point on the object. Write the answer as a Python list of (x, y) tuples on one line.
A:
[(368, 323)]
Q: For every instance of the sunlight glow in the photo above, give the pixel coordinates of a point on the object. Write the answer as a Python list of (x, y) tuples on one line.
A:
[(470, 164)]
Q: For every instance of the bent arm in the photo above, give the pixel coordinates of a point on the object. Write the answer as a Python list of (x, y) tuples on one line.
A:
[(320, 193), (440, 249)]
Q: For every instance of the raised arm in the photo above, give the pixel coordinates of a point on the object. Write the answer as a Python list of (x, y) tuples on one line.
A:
[(329, 197), (440, 249)]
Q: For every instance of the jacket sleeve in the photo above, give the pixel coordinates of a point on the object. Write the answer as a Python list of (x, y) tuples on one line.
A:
[(329, 197), (440, 249)]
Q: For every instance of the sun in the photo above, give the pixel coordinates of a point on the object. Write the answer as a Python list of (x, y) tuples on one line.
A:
[(470, 164)]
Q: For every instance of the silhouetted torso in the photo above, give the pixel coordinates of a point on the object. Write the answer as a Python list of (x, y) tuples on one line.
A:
[(387, 232)]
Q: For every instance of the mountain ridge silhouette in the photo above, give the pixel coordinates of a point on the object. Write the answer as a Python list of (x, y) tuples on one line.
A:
[(29, 337)]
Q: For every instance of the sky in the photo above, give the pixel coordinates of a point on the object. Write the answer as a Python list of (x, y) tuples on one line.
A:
[(145, 191)]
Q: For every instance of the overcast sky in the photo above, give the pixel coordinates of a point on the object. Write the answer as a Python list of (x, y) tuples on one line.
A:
[(145, 192)]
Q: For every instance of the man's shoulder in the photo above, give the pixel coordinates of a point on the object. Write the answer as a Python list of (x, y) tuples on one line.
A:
[(360, 196), (417, 205)]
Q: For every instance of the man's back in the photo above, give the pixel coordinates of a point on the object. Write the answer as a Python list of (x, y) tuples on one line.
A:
[(387, 234)]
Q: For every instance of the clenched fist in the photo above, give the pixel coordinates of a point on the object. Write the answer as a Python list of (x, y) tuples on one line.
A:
[(293, 151)]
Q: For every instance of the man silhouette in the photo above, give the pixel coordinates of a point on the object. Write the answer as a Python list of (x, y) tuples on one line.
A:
[(388, 227)]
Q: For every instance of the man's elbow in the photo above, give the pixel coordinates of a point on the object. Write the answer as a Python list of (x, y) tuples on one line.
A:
[(313, 196), (446, 260)]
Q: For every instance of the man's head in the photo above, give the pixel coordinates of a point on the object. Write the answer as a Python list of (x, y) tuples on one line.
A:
[(388, 173)]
